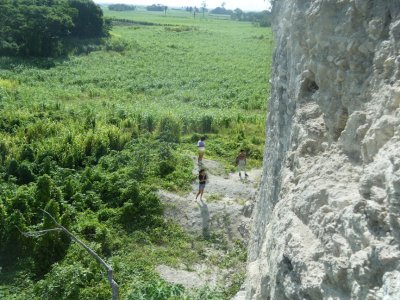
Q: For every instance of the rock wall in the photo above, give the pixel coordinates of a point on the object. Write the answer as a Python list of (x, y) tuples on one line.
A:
[(327, 221)]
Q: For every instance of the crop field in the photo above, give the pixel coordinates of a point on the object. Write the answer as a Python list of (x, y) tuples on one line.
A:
[(91, 136)]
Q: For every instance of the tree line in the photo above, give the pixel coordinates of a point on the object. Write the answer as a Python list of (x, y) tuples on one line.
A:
[(157, 7), (121, 7), (42, 28), (263, 18)]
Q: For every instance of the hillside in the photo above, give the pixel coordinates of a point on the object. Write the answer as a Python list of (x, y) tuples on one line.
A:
[(94, 138)]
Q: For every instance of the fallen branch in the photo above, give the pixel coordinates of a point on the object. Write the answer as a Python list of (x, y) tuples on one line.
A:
[(38, 233), (111, 281)]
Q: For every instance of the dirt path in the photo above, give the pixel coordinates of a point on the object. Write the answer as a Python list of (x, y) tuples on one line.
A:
[(226, 206), (223, 216)]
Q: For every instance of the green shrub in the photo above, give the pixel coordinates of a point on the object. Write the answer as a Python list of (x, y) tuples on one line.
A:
[(149, 123), (27, 153), (3, 94), (117, 45), (110, 187), (22, 201), (70, 188), (206, 124), (49, 248), (12, 169), (156, 289), (143, 213), (73, 280), (43, 191), (14, 244), (92, 230), (25, 174), (106, 214), (166, 167), (169, 129), (130, 193)]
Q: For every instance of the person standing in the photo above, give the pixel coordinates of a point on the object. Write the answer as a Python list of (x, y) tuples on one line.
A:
[(202, 183), (241, 163), (201, 145)]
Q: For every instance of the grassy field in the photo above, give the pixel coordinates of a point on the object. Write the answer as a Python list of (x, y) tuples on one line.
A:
[(104, 128)]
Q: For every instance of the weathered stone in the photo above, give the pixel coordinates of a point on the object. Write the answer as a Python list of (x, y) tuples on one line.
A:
[(326, 224)]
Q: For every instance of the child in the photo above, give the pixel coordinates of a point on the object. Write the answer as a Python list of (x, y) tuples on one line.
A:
[(202, 183), (241, 163), (201, 145)]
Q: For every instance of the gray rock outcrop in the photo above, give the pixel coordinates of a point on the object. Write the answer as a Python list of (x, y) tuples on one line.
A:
[(327, 221)]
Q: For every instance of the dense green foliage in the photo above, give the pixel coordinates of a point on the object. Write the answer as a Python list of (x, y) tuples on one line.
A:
[(121, 7), (221, 11), (43, 27), (263, 18), (91, 138), (156, 7)]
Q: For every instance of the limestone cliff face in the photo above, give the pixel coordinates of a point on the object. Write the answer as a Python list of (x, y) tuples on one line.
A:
[(327, 221)]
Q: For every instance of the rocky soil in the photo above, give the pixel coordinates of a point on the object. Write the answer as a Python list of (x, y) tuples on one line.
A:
[(223, 217)]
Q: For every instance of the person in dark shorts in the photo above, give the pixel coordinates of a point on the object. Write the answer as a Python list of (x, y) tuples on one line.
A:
[(202, 183)]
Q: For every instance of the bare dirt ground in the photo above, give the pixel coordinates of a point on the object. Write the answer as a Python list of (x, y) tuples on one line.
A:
[(222, 217)]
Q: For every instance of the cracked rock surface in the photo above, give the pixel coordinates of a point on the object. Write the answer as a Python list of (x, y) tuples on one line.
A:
[(326, 223)]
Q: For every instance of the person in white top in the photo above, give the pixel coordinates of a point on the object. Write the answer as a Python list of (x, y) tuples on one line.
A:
[(201, 145)]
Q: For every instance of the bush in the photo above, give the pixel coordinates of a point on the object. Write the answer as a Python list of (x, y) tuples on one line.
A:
[(166, 167), (25, 174), (27, 153), (156, 289), (3, 94), (50, 247), (117, 45), (106, 214), (43, 190), (206, 123), (13, 168), (92, 230), (73, 280), (14, 244), (169, 129), (144, 213)]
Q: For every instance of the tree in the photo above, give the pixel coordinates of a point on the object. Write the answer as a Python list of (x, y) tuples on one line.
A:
[(203, 7), (42, 27), (121, 7), (156, 7), (237, 14), (89, 19), (221, 11), (33, 28)]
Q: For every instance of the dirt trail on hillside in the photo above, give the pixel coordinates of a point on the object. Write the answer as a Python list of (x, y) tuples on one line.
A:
[(223, 216)]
